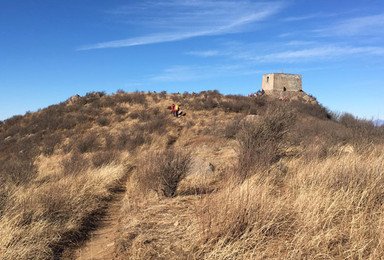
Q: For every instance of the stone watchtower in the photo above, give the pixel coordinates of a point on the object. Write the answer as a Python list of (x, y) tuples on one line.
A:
[(282, 82)]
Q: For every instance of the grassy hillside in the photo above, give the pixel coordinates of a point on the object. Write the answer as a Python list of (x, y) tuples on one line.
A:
[(235, 178)]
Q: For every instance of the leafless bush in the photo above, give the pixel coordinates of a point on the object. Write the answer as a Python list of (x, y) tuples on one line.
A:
[(236, 105), (120, 110), (232, 128), (94, 97), (108, 101), (164, 172), (103, 120), (186, 94), (17, 170), (75, 164), (138, 98), (163, 94), (314, 110), (102, 158), (84, 143), (157, 121), (155, 98), (132, 141), (260, 141), (49, 143)]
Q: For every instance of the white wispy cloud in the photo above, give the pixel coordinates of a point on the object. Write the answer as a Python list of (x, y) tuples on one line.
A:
[(359, 26), (300, 43), (168, 21), (318, 53), (207, 53), (290, 52), (307, 17)]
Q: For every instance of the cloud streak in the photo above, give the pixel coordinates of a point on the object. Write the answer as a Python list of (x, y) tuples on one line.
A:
[(294, 52), (359, 26), (307, 17), (180, 20), (318, 53)]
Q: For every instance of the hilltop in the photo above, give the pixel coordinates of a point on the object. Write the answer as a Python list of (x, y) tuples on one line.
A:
[(233, 178)]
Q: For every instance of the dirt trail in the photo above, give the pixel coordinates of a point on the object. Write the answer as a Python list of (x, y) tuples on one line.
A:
[(164, 230), (100, 244)]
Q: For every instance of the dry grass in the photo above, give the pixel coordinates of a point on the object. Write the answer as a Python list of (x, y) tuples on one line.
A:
[(310, 187), (40, 219), (326, 209)]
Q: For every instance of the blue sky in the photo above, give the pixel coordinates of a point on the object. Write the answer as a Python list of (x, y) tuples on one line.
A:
[(51, 49)]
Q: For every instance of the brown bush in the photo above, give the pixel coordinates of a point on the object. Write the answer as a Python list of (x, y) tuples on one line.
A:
[(103, 121), (49, 143), (102, 158), (165, 171), (75, 164), (120, 110), (314, 110), (163, 94), (364, 131), (17, 170), (132, 141), (237, 104), (138, 98), (261, 141), (232, 128)]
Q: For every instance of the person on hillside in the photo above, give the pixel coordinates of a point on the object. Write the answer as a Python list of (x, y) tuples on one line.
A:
[(173, 109), (176, 110)]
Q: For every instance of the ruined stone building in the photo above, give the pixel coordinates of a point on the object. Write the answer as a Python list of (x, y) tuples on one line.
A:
[(282, 82)]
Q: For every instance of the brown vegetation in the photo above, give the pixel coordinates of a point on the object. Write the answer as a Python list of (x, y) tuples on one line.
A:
[(236, 178)]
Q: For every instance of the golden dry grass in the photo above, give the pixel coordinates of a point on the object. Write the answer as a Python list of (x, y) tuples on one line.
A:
[(320, 197), (42, 217), (326, 209)]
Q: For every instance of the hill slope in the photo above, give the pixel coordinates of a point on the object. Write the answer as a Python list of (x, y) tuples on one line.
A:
[(235, 177)]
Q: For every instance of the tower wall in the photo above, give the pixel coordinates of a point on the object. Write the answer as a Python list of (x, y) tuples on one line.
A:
[(282, 82)]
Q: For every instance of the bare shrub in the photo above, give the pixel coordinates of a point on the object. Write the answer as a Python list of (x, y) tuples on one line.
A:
[(134, 114), (236, 105), (164, 172), (94, 97), (232, 128), (158, 121), (364, 132), (155, 98), (49, 143), (138, 98), (314, 110), (102, 158), (260, 142), (87, 143), (69, 121), (132, 141), (75, 164), (108, 101), (17, 170), (103, 121), (163, 94), (119, 110)]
